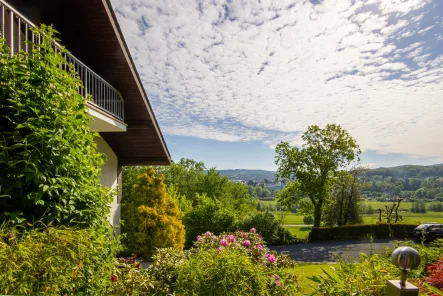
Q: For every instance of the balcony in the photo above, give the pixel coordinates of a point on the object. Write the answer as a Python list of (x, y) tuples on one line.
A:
[(105, 103)]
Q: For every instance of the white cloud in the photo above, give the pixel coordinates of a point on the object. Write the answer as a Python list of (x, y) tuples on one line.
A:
[(259, 71)]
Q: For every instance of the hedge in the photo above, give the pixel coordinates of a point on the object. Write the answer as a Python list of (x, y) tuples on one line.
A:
[(360, 231)]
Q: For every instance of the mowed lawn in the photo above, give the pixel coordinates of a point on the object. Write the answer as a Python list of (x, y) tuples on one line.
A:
[(304, 271)]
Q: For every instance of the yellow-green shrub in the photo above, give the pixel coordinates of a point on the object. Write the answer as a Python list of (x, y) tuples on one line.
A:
[(151, 217), (56, 261)]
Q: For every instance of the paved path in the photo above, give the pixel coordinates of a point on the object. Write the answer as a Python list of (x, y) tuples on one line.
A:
[(328, 251)]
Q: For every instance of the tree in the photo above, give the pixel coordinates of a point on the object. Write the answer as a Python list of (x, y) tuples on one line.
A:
[(151, 217), (345, 207), (311, 170)]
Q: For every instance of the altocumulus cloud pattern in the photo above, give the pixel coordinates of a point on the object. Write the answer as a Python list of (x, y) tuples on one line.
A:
[(265, 70)]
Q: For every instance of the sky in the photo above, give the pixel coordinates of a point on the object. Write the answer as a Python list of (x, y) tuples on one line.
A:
[(228, 80)]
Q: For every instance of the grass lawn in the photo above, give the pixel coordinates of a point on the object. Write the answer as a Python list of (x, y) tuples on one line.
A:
[(409, 217), (303, 271), (300, 232)]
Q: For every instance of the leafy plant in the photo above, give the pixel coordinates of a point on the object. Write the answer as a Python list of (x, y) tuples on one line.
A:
[(151, 217), (49, 165), (56, 261)]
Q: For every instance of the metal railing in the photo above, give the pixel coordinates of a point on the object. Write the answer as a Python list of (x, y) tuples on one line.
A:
[(15, 30)]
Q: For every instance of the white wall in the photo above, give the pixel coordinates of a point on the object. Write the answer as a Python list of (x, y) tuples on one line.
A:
[(109, 179)]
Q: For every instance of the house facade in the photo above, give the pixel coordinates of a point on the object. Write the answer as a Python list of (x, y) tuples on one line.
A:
[(117, 103)]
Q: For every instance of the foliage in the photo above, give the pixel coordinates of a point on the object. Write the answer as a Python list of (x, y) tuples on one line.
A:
[(235, 264), (418, 207), (208, 200), (272, 230), (312, 169), (165, 269), (151, 217), (49, 166), (208, 214), (359, 231), (434, 277), (308, 220), (129, 278), (369, 275), (436, 207), (345, 204), (56, 261)]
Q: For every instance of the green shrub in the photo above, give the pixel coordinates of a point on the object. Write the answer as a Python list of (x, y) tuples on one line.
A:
[(235, 264), (49, 165), (208, 214), (130, 278), (165, 268), (360, 231), (151, 217), (231, 272), (308, 220), (230, 264), (367, 277), (56, 261), (271, 230)]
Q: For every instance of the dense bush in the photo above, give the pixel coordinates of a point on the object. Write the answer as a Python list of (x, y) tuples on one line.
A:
[(379, 230), (308, 220), (436, 207), (208, 214), (268, 226), (56, 261), (230, 264), (49, 166), (151, 217), (418, 207)]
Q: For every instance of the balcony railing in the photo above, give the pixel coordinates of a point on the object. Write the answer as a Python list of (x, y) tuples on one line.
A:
[(15, 29)]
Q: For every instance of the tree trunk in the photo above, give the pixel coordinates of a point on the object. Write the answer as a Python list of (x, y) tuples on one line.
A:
[(317, 213)]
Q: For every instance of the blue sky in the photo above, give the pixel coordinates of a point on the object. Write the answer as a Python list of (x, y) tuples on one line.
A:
[(228, 80)]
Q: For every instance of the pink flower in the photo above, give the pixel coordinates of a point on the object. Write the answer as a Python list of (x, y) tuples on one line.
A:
[(208, 234), (114, 278), (199, 238), (259, 237), (220, 249), (223, 242), (231, 238), (247, 243), (258, 246), (270, 257), (277, 282), (253, 230), (241, 231)]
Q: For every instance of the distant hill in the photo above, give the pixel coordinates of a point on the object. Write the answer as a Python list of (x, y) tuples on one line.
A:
[(404, 171), (246, 175), (408, 171), (408, 181)]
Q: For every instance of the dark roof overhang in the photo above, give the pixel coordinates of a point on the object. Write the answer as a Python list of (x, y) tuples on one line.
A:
[(90, 31)]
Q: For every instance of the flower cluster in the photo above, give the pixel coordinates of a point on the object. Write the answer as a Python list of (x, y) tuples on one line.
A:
[(250, 242)]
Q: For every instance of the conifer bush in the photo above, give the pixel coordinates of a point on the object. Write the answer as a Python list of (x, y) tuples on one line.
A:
[(152, 219)]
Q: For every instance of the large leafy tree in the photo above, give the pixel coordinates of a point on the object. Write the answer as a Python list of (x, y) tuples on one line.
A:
[(311, 170)]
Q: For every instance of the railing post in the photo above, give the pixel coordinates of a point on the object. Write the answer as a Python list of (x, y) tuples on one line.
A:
[(405, 258), (11, 32)]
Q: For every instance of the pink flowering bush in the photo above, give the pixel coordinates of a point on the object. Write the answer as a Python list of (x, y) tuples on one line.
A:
[(251, 242)]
